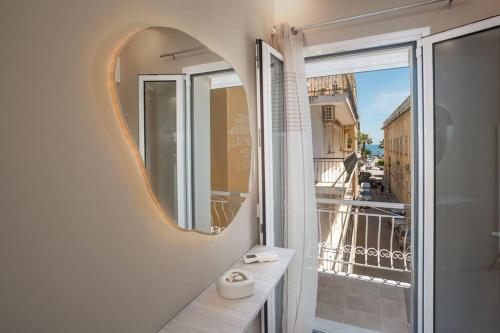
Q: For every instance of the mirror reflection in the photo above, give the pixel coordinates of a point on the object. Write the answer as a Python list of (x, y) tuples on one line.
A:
[(186, 109)]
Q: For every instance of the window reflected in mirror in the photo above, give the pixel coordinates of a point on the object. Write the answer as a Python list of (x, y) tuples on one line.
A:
[(186, 109), (224, 146)]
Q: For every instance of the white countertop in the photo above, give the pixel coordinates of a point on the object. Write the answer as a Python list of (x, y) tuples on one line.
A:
[(209, 312)]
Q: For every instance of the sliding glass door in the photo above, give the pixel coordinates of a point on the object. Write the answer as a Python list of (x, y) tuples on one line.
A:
[(462, 124)]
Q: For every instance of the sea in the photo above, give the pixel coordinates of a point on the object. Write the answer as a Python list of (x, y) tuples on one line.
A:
[(375, 149)]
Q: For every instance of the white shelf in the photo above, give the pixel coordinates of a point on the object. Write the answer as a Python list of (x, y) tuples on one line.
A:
[(209, 312)]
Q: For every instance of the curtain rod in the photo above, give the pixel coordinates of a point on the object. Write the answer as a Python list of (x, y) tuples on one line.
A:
[(173, 54), (380, 12)]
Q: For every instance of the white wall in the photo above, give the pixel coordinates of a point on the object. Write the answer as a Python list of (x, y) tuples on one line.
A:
[(323, 136), (437, 16), (141, 55), (83, 248), (318, 131)]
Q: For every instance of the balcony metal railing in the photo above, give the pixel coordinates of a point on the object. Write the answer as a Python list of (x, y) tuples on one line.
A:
[(332, 171), (328, 170), (224, 206), (327, 85), (356, 234)]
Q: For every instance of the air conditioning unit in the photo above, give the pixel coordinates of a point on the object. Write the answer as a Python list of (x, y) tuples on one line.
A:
[(328, 113)]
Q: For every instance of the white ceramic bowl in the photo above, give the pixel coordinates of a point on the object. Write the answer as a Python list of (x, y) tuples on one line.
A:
[(235, 284)]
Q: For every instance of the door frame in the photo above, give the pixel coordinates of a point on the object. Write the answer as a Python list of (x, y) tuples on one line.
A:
[(428, 146), (393, 39), (189, 72), (414, 36), (265, 206), (369, 42), (265, 139), (180, 124)]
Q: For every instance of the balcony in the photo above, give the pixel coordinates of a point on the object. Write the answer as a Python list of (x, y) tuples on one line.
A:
[(334, 171), (360, 236), (364, 265), (338, 90)]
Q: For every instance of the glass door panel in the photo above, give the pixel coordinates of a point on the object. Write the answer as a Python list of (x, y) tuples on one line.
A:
[(278, 191), (466, 167), (278, 144), (271, 165), (161, 134), (160, 142)]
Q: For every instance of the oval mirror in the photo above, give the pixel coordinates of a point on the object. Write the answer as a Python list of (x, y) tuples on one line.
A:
[(187, 111)]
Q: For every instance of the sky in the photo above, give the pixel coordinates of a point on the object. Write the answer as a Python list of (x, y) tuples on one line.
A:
[(379, 94)]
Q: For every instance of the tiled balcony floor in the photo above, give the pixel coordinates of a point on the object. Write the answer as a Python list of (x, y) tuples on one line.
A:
[(364, 304)]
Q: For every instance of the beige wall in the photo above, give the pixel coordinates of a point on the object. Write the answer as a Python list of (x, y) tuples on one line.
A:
[(438, 17), (83, 248), (238, 141), (397, 157), (230, 140)]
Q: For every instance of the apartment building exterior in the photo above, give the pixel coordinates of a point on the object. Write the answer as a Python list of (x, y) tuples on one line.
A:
[(397, 151), (335, 128)]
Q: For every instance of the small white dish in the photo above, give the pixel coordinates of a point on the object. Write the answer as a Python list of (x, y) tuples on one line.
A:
[(235, 284)]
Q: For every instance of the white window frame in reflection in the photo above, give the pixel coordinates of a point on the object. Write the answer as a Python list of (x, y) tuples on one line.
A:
[(182, 221), (219, 80)]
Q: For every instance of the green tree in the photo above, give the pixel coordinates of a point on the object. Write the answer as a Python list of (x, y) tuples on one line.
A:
[(364, 139), (381, 144)]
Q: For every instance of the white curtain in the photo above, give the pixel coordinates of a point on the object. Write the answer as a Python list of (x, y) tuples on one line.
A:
[(301, 228)]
